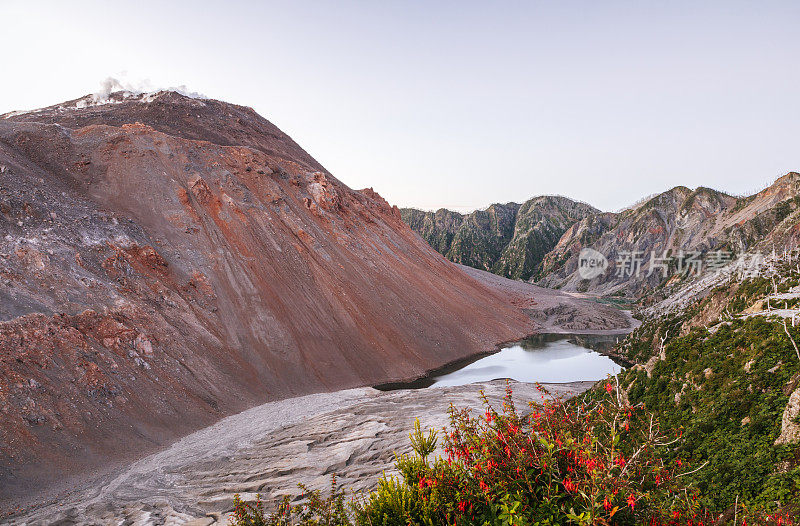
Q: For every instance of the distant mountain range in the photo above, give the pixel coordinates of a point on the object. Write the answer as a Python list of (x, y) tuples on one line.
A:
[(541, 240), (507, 239)]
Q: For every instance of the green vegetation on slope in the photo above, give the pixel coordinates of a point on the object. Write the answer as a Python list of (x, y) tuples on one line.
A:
[(508, 239), (724, 378), (727, 392)]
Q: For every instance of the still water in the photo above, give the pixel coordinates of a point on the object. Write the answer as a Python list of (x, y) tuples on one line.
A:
[(546, 358)]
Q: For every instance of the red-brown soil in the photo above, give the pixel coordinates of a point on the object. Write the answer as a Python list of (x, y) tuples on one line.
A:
[(168, 261)]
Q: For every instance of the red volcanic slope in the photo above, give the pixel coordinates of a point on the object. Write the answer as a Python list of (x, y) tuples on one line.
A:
[(165, 261)]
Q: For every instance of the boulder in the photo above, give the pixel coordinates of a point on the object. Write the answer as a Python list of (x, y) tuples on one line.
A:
[(790, 428)]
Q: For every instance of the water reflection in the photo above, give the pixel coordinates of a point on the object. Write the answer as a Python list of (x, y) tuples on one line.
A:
[(546, 358)]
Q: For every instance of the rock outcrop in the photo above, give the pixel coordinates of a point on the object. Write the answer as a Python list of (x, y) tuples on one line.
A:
[(790, 428)]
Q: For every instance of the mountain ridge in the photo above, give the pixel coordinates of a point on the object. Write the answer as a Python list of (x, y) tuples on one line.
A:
[(680, 219), (507, 239), (166, 261)]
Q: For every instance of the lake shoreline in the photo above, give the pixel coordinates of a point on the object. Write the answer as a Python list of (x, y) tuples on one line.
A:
[(429, 377)]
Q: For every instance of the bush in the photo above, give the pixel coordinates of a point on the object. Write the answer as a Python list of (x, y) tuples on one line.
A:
[(731, 419), (315, 511), (595, 460)]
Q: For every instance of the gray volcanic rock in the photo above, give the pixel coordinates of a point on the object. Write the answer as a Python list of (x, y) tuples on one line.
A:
[(270, 449), (559, 313)]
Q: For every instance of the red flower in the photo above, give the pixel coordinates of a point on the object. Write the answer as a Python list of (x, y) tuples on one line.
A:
[(609, 388), (631, 500), (424, 482)]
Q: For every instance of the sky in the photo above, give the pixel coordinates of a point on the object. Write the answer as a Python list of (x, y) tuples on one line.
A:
[(456, 104)]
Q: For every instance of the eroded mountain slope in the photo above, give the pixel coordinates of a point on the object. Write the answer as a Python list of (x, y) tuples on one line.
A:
[(677, 221), (165, 261)]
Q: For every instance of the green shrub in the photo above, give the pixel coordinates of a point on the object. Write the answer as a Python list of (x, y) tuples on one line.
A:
[(731, 419), (595, 460), (315, 511)]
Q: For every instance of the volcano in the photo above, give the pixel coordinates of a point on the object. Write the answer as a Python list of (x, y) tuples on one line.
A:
[(166, 261)]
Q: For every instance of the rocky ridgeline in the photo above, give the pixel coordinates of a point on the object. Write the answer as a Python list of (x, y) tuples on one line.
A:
[(701, 220), (542, 239), (507, 239)]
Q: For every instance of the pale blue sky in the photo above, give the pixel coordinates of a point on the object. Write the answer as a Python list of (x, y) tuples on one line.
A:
[(457, 104)]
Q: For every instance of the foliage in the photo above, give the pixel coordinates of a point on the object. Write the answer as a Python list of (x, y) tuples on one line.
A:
[(423, 445), (726, 392), (315, 511), (724, 383), (593, 461)]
